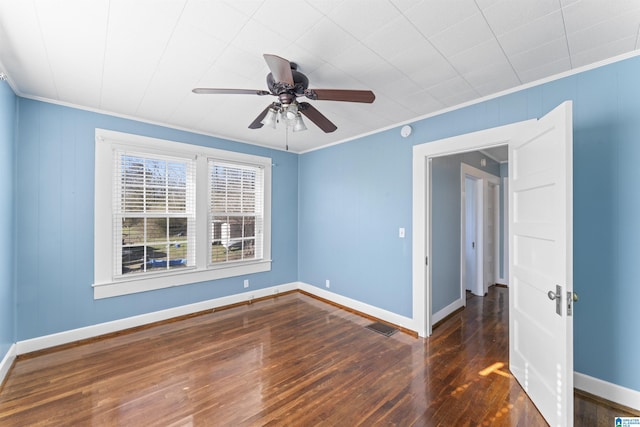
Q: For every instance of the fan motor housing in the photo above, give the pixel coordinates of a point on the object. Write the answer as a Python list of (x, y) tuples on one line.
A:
[(300, 84)]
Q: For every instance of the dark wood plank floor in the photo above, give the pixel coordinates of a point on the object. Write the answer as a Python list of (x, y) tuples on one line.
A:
[(293, 361)]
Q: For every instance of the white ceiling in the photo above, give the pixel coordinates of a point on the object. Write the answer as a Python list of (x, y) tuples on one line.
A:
[(142, 58)]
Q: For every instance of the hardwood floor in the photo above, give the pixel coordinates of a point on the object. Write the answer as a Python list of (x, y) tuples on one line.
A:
[(293, 361)]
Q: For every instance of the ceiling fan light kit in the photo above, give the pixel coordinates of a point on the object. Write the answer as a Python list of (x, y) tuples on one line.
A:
[(291, 111), (290, 114), (287, 84), (270, 118), (298, 124)]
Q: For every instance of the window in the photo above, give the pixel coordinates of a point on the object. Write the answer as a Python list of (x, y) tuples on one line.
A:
[(154, 216), (168, 214), (236, 219)]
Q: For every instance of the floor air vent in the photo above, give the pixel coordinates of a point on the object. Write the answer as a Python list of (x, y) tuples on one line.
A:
[(382, 328)]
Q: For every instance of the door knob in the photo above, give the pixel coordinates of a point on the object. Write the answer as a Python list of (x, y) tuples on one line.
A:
[(557, 296), (575, 297)]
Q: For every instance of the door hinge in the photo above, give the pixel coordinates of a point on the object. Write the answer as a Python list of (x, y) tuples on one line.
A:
[(426, 261)]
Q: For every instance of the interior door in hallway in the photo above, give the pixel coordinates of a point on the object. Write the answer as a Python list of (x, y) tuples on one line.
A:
[(471, 235)]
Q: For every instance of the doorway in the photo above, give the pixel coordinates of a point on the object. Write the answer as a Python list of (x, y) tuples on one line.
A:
[(480, 225), (422, 243), (462, 186)]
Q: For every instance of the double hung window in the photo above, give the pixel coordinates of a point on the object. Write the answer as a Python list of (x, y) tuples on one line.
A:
[(236, 219), (168, 214), (154, 214)]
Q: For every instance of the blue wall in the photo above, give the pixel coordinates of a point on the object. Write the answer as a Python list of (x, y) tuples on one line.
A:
[(55, 193), (352, 201), (355, 195), (445, 224), (7, 219)]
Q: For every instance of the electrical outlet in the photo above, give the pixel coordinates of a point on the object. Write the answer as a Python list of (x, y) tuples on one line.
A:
[(246, 283), (327, 283)]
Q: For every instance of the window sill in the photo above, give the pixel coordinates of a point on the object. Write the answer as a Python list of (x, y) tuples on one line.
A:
[(131, 285)]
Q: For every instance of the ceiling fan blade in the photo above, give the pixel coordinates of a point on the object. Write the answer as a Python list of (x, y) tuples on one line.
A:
[(346, 95), (280, 68), (316, 117), (257, 123), (215, 91)]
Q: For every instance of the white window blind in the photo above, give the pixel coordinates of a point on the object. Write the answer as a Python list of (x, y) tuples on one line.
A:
[(154, 213), (236, 212), (170, 214)]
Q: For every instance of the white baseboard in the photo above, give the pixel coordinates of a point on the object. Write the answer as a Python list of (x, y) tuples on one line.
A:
[(606, 390), (503, 281), (441, 314), (65, 337), (6, 362), (379, 313)]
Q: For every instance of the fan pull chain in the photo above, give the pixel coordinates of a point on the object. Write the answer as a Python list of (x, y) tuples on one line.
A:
[(286, 137)]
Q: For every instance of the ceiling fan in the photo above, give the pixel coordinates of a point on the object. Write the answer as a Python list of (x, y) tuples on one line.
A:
[(287, 83)]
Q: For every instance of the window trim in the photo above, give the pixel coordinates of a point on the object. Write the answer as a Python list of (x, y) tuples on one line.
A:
[(105, 284)]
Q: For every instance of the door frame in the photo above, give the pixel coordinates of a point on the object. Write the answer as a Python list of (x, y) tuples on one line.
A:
[(496, 230), (483, 180), (421, 209), (504, 275), (464, 232)]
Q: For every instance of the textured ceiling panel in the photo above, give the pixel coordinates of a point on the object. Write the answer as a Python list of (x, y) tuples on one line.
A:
[(142, 58)]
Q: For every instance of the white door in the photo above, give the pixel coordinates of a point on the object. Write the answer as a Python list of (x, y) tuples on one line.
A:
[(470, 255), (489, 225), (541, 257)]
